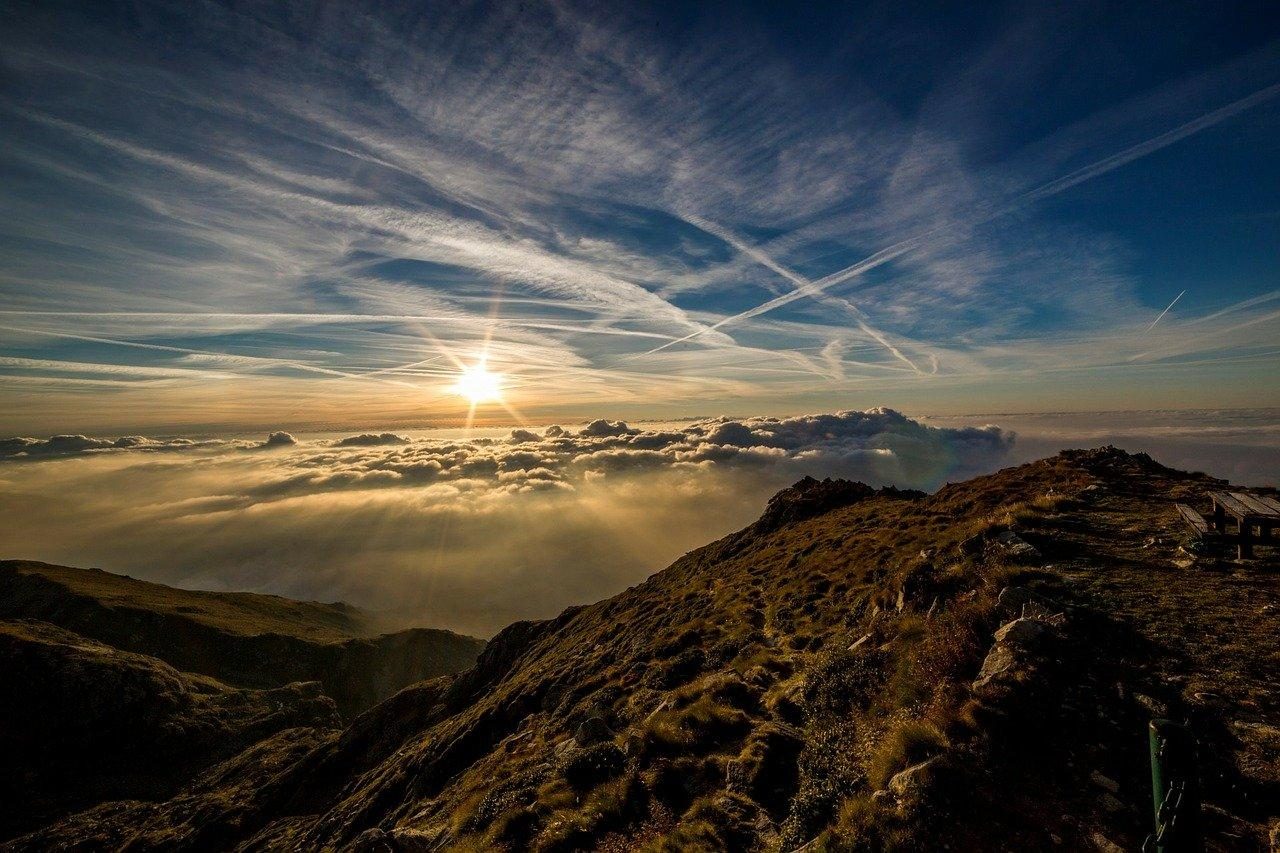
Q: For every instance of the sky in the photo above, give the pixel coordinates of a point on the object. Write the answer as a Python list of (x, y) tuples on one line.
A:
[(222, 217), (469, 312)]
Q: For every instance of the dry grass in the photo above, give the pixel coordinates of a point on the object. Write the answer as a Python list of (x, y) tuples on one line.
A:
[(908, 742)]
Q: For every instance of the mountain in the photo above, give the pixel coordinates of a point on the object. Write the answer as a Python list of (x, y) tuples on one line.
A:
[(81, 722), (858, 670), (245, 639)]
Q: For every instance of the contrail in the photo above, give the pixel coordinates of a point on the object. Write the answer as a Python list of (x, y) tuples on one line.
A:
[(804, 287), (298, 365), (1162, 313), (1086, 173)]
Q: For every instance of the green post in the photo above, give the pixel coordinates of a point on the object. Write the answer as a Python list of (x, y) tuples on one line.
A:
[(1175, 789)]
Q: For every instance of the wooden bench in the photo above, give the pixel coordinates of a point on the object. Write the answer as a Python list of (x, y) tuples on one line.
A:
[(1194, 520), (1249, 511)]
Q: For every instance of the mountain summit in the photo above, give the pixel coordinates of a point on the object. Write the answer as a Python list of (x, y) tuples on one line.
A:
[(860, 669)]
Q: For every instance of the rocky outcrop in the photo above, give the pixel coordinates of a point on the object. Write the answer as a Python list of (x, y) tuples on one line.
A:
[(807, 498), (1023, 649)]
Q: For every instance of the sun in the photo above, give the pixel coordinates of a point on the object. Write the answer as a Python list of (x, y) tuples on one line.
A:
[(478, 384)]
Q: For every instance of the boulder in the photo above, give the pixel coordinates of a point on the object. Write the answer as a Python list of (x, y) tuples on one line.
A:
[(911, 781), (1024, 631), (1015, 601), (372, 840), (593, 730), (1015, 546), (999, 661), (1019, 649)]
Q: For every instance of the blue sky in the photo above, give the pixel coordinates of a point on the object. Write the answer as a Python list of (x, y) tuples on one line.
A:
[(314, 215)]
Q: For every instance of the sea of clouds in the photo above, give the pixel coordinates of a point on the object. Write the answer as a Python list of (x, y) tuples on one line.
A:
[(468, 532), (473, 530)]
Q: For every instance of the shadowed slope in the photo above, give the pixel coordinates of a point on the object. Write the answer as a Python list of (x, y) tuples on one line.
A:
[(81, 722)]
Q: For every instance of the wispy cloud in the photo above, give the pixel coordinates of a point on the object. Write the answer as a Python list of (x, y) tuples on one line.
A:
[(397, 190)]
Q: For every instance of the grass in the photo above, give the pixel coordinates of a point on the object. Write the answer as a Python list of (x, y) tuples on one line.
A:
[(696, 728), (908, 742)]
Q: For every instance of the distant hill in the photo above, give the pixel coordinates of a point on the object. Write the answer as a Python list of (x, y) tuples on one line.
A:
[(81, 722), (30, 586), (859, 670), (244, 639)]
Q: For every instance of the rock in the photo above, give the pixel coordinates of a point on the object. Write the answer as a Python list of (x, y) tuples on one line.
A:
[(1017, 649), (1111, 804), (1018, 601), (908, 783), (661, 706), (1153, 706), (1024, 631), (633, 744), (593, 730), (1015, 546), (999, 661), (1103, 844), (1104, 782), (372, 840), (514, 741), (973, 545)]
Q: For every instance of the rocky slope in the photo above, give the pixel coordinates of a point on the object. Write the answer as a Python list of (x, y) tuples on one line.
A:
[(860, 670), (244, 639)]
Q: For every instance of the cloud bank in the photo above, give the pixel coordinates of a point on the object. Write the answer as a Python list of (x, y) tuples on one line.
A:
[(463, 532)]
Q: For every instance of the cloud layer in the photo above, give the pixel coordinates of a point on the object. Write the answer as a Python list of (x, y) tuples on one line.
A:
[(469, 533), (474, 531)]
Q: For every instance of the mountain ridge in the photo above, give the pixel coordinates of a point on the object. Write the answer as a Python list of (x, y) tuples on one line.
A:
[(861, 670), (246, 639)]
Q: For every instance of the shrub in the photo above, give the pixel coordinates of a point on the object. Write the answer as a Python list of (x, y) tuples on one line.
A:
[(585, 768), (683, 668), (829, 773), (956, 645), (842, 682)]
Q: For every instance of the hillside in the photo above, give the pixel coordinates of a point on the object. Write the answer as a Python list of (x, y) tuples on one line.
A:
[(244, 639), (858, 670), (81, 722)]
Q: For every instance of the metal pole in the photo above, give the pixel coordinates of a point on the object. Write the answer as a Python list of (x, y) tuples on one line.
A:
[(1175, 789)]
